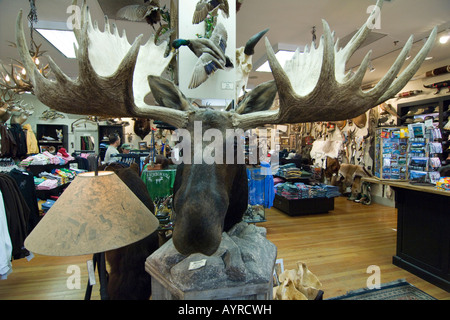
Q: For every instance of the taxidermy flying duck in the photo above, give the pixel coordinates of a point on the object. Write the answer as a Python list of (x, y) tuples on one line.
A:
[(210, 53), (204, 7), (149, 11)]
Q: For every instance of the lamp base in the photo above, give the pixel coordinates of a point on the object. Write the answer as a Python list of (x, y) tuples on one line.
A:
[(98, 260)]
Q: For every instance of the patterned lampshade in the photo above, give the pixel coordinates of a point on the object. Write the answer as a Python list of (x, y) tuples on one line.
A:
[(96, 213)]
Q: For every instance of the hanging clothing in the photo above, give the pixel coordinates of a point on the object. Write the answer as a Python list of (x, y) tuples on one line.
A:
[(32, 144), (269, 190), (92, 162), (159, 183), (8, 144), (17, 215), (20, 138), (5, 243), (25, 182), (255, 186)]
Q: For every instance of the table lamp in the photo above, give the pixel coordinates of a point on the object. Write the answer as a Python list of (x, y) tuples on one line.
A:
[(97, 212)]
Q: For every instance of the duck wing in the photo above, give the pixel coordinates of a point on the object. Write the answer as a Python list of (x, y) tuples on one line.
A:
[(224, 7), (135, 12), (205, 66), (219, 37), (202, 9)]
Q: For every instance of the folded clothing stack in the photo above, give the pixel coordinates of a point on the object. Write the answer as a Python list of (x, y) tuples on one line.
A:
[(295, 191), (47, 181), (290, 171), (47, 158)]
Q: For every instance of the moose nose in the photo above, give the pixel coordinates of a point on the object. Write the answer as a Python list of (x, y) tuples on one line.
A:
[(197, 240)]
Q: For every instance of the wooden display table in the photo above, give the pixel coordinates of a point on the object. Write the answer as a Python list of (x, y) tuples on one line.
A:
[(298, 207), (423, 230)]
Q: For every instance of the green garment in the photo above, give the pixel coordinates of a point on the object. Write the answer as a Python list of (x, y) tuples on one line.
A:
[(159, 182)]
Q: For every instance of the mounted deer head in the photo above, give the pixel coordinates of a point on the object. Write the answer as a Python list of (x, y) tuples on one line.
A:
[(208, 197)]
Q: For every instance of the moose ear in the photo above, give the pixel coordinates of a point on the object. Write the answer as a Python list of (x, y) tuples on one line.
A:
[(259, 99), (167, 94)]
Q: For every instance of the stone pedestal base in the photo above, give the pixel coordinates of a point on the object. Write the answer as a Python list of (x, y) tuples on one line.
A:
[(242, 268)]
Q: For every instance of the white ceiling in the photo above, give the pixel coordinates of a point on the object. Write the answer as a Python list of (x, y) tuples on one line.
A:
[(289, 21)]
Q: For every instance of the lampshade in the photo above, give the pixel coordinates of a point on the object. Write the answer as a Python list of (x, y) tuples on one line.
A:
[(96, 213)]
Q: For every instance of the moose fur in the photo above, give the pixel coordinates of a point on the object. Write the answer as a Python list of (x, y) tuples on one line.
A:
[(128, 279)]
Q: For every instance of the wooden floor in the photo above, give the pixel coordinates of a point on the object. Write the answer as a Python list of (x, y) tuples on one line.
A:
[(337, 247)]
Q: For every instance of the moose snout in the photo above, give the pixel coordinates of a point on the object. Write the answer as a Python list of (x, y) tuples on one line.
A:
[(199, 223)]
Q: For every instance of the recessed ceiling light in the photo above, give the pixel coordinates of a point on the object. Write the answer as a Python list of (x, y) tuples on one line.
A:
[(444, 38), (428, 58), (282, 57), (63, 40), (283, 53)]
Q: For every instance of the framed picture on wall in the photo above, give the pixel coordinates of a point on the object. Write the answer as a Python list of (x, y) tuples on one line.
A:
[(292, 141), (142, 145)]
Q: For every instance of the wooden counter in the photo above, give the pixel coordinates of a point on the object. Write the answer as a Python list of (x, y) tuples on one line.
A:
[(423, 230), (407, 185)]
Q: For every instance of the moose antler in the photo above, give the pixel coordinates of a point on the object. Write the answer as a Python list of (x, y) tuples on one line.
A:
[(314, 86), (112, 78)]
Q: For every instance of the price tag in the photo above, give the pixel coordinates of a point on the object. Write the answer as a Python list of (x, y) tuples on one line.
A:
[(91, 272), (197, 264)]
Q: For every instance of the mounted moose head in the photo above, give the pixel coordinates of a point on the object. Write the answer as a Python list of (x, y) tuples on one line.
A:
[(114, 77)]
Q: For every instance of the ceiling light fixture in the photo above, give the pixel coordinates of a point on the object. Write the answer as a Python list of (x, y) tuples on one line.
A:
[(59, 35), (444, 38), (63, 40), (284, 52)]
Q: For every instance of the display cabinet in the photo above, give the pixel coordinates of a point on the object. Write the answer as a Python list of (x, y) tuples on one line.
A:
[(436, 110), (51, 137)]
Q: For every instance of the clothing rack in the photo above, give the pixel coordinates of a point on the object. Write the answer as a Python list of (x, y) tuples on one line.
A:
[(85, 163), (129, 158), (78, 152), (7, 164)]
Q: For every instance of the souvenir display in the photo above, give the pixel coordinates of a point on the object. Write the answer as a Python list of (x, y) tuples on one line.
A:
[(391, 153)]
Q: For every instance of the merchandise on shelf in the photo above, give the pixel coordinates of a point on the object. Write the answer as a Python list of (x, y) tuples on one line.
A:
[(443, 184), (424, 149), (298, 190), (391, 153), (57, 177), (46, 157)]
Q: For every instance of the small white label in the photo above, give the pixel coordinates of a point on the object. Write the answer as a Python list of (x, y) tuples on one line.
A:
[(227, 85), (91, 272), (197, 264), (30, 256)]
